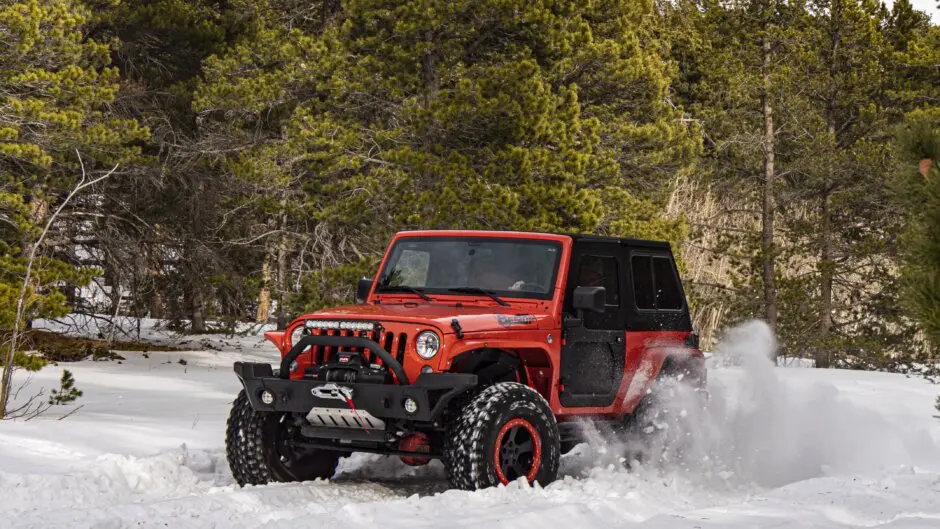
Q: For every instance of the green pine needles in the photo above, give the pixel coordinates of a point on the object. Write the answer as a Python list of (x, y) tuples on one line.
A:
[(67, 392)]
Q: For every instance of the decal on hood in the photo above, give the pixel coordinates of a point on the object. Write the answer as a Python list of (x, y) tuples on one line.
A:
[(508, 321)]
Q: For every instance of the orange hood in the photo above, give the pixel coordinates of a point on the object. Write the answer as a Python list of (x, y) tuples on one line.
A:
[(472, 317)]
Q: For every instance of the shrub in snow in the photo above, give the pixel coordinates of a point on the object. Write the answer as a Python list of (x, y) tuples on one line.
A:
[(28, 362), (67, 391)]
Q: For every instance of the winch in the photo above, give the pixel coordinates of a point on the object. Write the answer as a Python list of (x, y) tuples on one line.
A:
[(351, 367)]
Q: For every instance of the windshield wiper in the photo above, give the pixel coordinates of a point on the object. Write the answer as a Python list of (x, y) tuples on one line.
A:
[(416, 291), (481, 291)]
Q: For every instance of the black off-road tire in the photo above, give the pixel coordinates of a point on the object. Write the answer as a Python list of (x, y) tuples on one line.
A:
[(501, 420), (251, 446)]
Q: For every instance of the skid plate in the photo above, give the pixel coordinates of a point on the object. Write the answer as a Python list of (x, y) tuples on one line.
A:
[(344, 418)]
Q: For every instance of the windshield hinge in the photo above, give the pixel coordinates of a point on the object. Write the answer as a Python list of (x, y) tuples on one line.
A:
[(458, 330)]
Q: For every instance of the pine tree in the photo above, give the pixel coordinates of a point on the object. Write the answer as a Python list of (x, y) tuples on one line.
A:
[(56, 87), (919, 179), (66, 393), (913, 52), (290, 138), (769, 229), (843, 169), (168, 255), (271, 69), (737, 79), (537, 116)]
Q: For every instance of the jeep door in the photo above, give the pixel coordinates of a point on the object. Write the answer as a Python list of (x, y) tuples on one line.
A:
[(592, 355)]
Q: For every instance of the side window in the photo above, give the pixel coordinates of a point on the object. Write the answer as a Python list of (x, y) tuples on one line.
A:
[(668, 295), (655, 284), (643, 282), (601, 271)]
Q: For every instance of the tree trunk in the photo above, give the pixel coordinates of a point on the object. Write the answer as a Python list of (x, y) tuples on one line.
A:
[(271, 251), (768, 209), (429, 70), (264, 297), (38, 215), (39, 211), (198, 310), (826, 264), (112, 279), (156, 305), (281, 286), (156, 300)]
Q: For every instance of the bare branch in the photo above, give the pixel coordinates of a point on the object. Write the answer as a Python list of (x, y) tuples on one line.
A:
[(21, 300)]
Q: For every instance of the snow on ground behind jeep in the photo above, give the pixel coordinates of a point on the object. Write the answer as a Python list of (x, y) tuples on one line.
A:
[(776, 447)]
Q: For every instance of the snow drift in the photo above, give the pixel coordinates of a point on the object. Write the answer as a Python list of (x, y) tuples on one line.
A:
[(776, 431), (782, 447), (763, 427)]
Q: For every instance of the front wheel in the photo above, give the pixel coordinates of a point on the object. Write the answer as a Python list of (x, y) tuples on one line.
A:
[(505, 433), (260, 448)]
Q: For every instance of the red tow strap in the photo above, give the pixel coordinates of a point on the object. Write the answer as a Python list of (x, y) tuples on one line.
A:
[(353, 408)]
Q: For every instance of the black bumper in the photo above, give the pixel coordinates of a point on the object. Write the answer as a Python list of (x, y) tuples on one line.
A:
[(432, 392)]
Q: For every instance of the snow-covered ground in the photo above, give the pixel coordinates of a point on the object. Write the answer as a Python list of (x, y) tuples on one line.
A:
[(782, 448)]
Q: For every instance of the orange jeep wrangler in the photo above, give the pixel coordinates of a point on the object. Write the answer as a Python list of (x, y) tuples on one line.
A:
[(480, 348)]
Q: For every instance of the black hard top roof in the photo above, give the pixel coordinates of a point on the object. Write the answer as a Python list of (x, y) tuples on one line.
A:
[(641, 243), (625, 241)]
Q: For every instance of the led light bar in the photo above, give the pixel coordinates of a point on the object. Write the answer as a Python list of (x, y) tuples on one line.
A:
[(334, 325)]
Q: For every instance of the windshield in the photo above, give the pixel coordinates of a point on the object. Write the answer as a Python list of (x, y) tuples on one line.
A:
[(461, 265)]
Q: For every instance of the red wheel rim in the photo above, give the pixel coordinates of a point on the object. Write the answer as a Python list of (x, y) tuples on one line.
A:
[(518, 451)]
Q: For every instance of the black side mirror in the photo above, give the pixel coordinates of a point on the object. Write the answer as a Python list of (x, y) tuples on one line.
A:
[(593, 299), (363, 289)]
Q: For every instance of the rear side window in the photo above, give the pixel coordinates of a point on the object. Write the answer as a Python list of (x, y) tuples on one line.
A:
[(655, 284), (668, 295), (643, 282)]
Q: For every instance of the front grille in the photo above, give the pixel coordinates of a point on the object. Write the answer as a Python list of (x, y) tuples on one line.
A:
[(395, 345), (392, 342)]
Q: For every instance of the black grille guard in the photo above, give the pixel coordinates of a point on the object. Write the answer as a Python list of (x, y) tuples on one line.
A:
[(342, 341)]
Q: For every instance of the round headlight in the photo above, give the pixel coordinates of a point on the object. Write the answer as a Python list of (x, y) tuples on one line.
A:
[(299, 332), (428, 344)]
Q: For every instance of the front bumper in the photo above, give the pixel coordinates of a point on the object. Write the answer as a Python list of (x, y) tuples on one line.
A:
[(432, 392)]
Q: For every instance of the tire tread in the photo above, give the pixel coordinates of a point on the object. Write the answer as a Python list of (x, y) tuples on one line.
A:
[(464, 454), (247, 450)]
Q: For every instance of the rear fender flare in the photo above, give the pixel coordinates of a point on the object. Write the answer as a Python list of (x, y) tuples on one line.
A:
[(664, 361), (687, 364)]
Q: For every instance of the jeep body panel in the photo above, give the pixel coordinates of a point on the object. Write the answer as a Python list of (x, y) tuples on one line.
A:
[(632, 343)]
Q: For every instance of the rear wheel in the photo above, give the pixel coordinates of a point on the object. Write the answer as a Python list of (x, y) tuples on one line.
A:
[(662, 427), (260, 448), (505, 433)]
